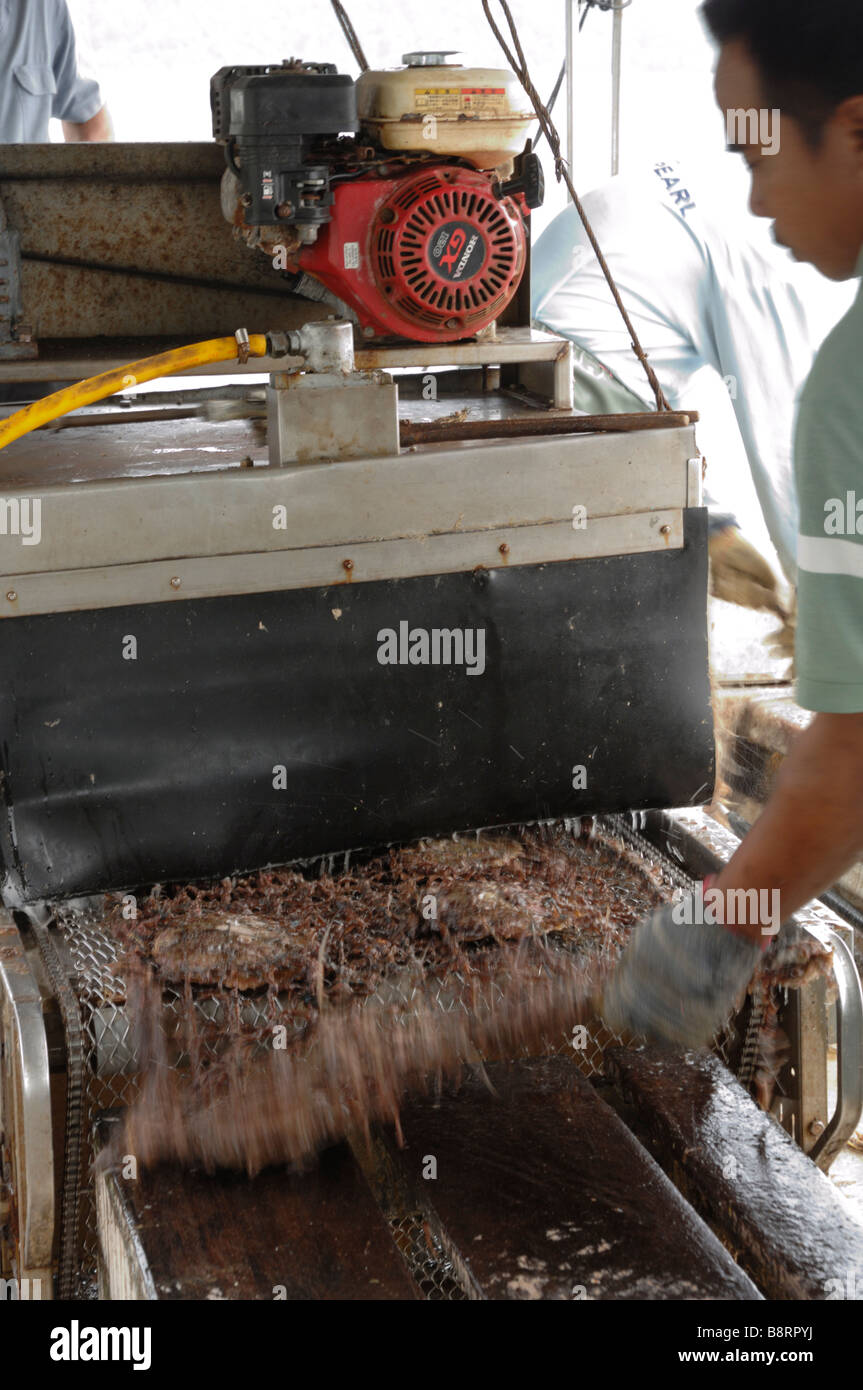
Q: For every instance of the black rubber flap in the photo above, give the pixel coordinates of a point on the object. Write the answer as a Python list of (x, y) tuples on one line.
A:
[(258, 729)]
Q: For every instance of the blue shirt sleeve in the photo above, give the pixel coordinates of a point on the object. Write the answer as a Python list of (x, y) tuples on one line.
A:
[(77, 98)]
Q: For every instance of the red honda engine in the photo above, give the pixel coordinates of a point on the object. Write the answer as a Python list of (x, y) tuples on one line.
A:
[(416, 219), (435, 256)]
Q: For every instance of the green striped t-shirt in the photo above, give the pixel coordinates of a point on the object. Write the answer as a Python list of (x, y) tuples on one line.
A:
[(828, 463)]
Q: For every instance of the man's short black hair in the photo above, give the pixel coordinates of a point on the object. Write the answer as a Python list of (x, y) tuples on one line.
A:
[(810, 52)]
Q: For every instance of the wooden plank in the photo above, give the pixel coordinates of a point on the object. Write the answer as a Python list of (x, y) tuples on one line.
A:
[(791, 1229), (225, 1236), (546, 1195)]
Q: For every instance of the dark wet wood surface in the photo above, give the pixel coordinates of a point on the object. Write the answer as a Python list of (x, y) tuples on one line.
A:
[(546, 1194), (315, 1236), (537, 1189), (789, 1226)]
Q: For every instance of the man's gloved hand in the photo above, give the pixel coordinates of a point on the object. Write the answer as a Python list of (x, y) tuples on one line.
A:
[(780, 643), (738, 572), (677, 981)]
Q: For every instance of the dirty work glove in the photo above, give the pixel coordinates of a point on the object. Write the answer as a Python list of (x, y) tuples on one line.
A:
[(738, 572), (678, 982), (780, 643)]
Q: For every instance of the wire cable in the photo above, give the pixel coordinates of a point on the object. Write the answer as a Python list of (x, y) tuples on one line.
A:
[(518, 63), (350, 34)]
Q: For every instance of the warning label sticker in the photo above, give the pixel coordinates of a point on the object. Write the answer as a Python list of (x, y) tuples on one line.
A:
[(461, 101)]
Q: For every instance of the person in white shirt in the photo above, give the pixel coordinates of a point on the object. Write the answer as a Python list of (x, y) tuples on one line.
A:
[(705, 286)]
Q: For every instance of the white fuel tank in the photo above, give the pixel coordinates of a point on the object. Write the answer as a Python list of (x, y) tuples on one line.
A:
[(436, 105)]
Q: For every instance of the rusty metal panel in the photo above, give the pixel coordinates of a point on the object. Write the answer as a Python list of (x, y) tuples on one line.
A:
[(143, 162), (121, 240), (63, 301), (164, 227)]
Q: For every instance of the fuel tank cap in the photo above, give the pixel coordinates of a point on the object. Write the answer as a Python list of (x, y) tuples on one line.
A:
[(431, 60)]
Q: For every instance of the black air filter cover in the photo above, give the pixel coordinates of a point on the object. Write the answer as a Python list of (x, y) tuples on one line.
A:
[(273, 121), (259, 103)]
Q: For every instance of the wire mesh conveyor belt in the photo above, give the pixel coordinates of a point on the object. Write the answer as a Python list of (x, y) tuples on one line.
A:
[(92, 947), (535, 875)]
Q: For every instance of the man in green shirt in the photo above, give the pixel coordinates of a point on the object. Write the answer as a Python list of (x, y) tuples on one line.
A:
[(800, 65)]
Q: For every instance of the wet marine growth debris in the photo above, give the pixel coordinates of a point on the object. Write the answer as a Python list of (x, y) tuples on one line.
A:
[(306, 1006), (276, 1012)]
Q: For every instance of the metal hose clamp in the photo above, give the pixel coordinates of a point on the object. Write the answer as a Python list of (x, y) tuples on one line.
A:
[(243, 345)]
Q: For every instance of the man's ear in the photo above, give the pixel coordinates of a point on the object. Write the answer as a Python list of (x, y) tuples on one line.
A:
[(849, 119)]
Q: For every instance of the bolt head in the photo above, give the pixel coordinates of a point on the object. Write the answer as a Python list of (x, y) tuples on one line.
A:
[(11, 595), (175, 582)]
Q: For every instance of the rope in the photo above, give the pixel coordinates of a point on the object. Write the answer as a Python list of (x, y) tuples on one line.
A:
[(350, 34), (518, 63)]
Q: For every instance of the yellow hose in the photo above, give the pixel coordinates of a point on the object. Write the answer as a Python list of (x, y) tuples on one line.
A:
[(96, 388)]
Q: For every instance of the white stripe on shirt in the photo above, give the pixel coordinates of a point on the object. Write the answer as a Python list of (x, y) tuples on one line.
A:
[(830, 555)]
